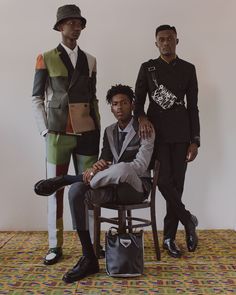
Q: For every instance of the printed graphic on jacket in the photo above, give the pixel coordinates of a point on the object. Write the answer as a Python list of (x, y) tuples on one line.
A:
[(164, 97), (161, 95)]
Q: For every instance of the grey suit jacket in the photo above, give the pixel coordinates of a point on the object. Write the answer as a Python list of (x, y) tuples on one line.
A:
[(136, 151)]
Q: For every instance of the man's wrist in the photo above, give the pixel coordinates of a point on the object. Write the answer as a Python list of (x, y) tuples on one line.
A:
[(93, 171), (196, 140), (142, 117)]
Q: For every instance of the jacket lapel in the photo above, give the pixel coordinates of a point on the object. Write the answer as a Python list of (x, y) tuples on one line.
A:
[(81, 68), (129, 136), (112, 135), (114, 143), (66, 60)]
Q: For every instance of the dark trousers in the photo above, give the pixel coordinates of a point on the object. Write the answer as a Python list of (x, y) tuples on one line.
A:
[(172, 157)]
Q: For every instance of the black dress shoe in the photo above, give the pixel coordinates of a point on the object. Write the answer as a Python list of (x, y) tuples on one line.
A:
[(172, 248), (53, 256), (191, 235), (47, 187), (84, 267)]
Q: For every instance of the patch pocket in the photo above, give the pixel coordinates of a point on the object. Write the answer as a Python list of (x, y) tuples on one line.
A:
[(54, 104), (132, 148)]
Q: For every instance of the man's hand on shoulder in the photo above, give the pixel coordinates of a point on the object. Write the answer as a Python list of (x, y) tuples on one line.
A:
[(145, 127), (192, 152)]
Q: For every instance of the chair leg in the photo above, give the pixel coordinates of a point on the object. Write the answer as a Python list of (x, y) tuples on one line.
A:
[(97, 230), (155, 234), (129, 215), (121, 221)]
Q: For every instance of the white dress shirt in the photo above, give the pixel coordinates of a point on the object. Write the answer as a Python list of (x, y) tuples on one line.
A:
[(73, 54)]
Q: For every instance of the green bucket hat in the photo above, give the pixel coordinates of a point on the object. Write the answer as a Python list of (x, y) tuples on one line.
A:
[(67, 12)]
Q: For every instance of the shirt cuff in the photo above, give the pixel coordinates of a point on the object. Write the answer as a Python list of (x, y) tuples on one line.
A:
[(196, 140), (44, 132)]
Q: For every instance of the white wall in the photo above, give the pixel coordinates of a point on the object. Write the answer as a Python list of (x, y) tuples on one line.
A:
[(121, 35)]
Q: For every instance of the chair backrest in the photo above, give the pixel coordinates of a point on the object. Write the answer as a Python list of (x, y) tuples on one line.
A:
[(156, 170)]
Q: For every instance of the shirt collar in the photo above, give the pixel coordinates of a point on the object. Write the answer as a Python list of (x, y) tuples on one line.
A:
[(128, 127), (69, 51), (173, 60)]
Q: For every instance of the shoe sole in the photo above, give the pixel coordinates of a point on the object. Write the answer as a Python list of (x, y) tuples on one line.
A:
[(52, 261), (171, 254), (44, 194), (37, 193), (49, 262), (70, 280)]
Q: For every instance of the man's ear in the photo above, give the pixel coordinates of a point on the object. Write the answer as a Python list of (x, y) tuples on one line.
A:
[(132, 106), (59, 27), (156, 44), (177, 41)]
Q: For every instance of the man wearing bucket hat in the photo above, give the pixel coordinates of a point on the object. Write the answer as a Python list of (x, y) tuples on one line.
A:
[(66, 112)]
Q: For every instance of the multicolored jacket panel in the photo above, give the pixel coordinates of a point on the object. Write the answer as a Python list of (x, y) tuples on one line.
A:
[(57, 84)]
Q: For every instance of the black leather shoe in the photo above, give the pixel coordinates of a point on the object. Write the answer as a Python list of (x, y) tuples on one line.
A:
[(53, 256), (172, 248), (84, 267), (47, 187), (191, 235)]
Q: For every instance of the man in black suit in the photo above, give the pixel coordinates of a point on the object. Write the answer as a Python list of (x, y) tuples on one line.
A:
[(122, 167), (168, 80)]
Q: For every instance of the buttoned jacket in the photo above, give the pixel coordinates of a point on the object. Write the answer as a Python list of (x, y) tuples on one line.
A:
[(179, 123), (135, 151), (57, 84)]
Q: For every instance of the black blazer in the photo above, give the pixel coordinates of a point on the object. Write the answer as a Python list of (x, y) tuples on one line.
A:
[(179, 123)]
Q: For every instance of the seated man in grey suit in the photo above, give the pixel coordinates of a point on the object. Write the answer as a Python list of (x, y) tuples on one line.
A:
[(123, 167)]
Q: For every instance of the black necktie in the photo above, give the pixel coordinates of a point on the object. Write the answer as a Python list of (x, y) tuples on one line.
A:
[(121, 140)]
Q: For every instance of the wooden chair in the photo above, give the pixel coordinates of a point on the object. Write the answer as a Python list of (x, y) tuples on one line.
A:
[(124, 221)]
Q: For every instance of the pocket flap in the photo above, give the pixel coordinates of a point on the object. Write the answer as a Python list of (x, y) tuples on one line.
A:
[(55, 104)]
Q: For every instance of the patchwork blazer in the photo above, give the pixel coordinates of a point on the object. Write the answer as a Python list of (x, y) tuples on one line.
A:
[(57, 84)]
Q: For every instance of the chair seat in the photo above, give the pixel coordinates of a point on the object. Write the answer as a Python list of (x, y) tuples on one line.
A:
[(144, 204)]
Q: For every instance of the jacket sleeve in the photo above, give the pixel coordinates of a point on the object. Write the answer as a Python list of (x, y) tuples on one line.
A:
[(39, 90), (192, 107), (141, 90), (94, 106), (142, 160)]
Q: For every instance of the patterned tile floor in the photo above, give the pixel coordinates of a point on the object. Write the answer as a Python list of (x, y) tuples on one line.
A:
[(210, 270)]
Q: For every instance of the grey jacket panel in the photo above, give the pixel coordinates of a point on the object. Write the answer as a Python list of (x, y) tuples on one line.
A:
[(135, 151)]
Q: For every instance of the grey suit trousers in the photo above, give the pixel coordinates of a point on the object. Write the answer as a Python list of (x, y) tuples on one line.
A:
[(117, 184)]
